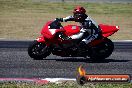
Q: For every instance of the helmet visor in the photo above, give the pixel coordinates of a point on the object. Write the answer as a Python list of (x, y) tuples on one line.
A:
[(78, 17)]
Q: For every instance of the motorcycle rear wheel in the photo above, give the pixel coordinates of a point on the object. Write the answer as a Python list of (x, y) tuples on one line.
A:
[(38, 50), (102, 51)]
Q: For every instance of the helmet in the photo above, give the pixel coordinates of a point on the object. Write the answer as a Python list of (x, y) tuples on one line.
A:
[(80, 10), (79, 14)]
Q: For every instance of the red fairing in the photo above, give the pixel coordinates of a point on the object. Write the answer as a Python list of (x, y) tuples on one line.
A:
[(45, 30), (108, 30), (71, 29), (49, 33)]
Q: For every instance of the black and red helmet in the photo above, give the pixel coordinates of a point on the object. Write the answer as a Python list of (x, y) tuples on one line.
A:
[(79, 9), (79, 14)]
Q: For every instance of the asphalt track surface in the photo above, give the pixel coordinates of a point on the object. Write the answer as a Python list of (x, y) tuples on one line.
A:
[(15, 62)]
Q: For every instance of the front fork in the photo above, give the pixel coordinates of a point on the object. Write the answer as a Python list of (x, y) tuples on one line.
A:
[(42, 40)]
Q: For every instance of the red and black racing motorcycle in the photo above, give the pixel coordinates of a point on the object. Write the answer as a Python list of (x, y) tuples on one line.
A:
[(50, 42)]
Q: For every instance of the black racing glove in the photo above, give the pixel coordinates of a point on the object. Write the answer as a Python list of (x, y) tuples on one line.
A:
[(59, 19)]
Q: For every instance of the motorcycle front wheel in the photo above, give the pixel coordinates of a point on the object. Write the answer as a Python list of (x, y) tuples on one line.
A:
[(38, 50)]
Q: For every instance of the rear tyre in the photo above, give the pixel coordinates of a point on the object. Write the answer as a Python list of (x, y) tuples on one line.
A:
[(102, 51), (38, 50)]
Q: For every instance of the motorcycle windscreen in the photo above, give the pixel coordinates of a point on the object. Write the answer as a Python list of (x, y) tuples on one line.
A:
[(71, 29), (108, 30)]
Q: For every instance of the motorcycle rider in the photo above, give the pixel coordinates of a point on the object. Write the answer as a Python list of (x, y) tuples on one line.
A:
[(88, 26)]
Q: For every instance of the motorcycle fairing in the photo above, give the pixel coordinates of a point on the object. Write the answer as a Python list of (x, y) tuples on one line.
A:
[(49, 33), (108, 30), (71, 29), (45, 31)]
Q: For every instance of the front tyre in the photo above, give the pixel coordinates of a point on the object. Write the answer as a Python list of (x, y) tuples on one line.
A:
[(103, 50), (38, 50)]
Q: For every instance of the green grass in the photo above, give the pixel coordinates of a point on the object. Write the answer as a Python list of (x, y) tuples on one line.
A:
[(64, 85), (23, 19)]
